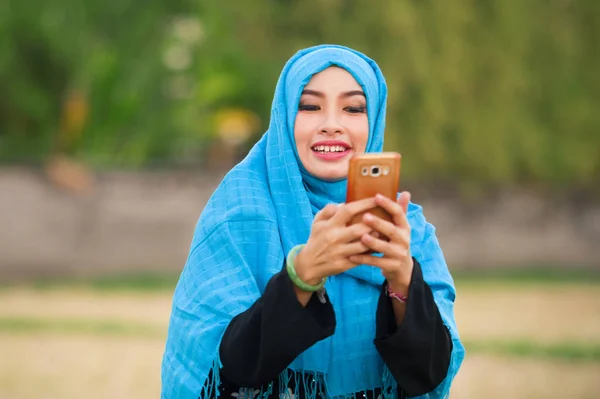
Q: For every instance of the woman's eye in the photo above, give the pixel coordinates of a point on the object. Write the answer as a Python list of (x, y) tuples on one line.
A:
[(356, 110), (306, 107)]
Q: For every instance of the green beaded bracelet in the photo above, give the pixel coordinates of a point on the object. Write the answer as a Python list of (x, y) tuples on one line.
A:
[(294, 277)]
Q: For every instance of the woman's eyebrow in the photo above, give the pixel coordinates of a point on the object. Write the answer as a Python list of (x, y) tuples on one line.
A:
[(313, 93), (344, 94), (353, 93)]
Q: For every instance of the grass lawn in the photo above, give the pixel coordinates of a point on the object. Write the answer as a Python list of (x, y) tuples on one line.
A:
[(526, 337)]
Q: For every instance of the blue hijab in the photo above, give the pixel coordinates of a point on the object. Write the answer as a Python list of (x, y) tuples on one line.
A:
[(265, 206)]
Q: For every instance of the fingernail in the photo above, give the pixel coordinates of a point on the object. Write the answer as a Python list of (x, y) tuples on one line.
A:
[(368, 217)]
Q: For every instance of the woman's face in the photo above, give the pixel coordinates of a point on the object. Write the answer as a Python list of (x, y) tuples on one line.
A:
[(331, 124)]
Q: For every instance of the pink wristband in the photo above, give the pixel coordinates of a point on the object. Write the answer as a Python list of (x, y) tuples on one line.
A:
[(398, 297)]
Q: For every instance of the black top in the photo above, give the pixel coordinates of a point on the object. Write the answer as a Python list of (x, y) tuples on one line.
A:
[(261, 342)]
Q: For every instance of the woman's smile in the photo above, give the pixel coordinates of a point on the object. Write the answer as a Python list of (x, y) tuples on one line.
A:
[(331, 150)]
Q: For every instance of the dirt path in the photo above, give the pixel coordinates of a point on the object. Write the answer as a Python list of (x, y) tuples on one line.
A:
[(497, 377), (58, 367), (152, 308), (541, 313), (67, 367)]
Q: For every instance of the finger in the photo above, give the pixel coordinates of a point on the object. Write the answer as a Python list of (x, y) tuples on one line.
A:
[(404, 200), (388, 249), (354, 232), (326, 213), (384, 264), (353, 248), (394, 209), (388, 229), (347, 211), (377, 234), (338, 266)]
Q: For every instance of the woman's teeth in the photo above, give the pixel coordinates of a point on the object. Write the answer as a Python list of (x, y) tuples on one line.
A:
[(329, 148)]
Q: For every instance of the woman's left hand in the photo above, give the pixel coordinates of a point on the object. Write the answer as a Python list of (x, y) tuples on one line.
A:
[(396, 264)]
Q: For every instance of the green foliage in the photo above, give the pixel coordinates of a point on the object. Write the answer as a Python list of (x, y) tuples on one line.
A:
[(571, 351), (566, 351), (21, 325), (496, 92), (110, 51), (526, 277)]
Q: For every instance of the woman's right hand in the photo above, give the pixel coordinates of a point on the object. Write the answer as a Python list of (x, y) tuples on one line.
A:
[(332, 241)]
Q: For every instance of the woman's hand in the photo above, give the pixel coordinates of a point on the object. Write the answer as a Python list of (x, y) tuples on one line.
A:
[(396, 264), (332, 241)]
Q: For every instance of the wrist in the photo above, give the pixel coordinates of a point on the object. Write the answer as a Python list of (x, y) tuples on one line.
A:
[(399, 296), (400, 282), (303, 269), (399, 288)]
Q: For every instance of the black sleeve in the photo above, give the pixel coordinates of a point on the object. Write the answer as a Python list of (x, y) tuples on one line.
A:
[(417, 352), (261, 342)]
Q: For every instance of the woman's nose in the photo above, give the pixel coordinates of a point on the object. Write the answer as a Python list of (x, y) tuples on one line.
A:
[(331, 125)]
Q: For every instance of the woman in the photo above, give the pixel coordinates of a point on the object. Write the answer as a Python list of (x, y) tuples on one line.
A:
[(278, 298)]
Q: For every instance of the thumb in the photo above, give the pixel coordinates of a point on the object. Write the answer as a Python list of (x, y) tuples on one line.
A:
[(326, 212), (403, 200)]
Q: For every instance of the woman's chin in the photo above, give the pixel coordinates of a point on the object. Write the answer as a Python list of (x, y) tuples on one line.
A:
[(328, 170), (333, 174)]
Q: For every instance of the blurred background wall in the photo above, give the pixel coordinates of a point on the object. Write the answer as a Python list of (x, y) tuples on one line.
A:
[(143, 221), (118, 119)]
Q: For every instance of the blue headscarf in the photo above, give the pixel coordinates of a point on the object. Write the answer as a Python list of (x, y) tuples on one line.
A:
[(263, 208)]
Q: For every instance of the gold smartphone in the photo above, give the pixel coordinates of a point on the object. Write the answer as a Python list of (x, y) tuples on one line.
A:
[(370, 174)]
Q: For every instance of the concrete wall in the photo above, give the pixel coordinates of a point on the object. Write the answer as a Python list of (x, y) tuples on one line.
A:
[(144, 221)]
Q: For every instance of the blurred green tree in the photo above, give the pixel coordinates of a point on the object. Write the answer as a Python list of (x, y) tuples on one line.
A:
[(497, 92)]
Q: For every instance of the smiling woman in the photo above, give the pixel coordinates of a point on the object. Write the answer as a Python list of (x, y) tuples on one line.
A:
[(331, 124), (278, 298)]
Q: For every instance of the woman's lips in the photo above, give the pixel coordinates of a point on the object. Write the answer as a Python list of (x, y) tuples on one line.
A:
[(332, 155), (331, 150)]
